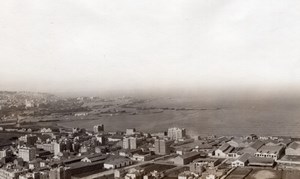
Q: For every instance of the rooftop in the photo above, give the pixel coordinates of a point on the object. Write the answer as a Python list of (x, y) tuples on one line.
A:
[(190, 154), (294, 145), (116, 161), (244, 157), (226, 148), (270, 149), (256, 145)]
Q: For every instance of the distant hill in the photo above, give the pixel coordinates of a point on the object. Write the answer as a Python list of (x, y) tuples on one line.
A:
[(25, 95)]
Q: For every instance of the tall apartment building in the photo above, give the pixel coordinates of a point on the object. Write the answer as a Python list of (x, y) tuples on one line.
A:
[(162, 146), (98, 128), (129, 143), (57, 146), (176, 133), (130, 131), (27, 154)]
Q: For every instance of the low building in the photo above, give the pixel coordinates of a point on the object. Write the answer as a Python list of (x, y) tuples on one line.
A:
[(94, 158), (188, 175), (117, 163), (241, 161), (293, 149), (261, 162), (141, 157), (134, 174), (207, 162), (119, 173), (187, 158), (46, 147), (253, 147), (46, 130), (224, 150), (289, 160), (273, 152)]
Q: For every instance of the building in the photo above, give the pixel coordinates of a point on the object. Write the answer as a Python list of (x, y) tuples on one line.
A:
[(11, 173), (46, 147), (141, 157), (273, 152), (46, 130), (117, 163), (134, 173), (186, 158), (31, 175), (253, 147), (57, 148), (27, 154), (162, 146), (98, 128), (4, 152), (130, 131), (241, 161), (224, 150), (188, 175), (176, 133), (30, 140), (100, 139), (94, 158), (129, 143), (120, 173), (59, 173), (261, 162), (197, 167), (293, 149), (207, 162)]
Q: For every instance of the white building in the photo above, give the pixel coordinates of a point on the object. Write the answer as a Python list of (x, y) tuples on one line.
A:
[(46, 130), (274, 152), (4, 153), (141, 157), (98, 128), (57, 146), (27, 154), (129, 143), (130, 131), (241, 161), (117, 163), (176, 133), (224, 150)]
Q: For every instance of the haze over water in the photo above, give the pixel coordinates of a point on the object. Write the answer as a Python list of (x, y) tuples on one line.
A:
[(238, 115)]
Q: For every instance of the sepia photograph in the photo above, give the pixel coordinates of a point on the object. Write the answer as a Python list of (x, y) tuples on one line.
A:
[(149, 89)]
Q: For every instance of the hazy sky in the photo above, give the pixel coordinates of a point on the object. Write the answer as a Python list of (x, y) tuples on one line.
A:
[(80, 45)]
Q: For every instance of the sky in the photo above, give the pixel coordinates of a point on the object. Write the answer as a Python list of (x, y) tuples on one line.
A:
[(144, 45)]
